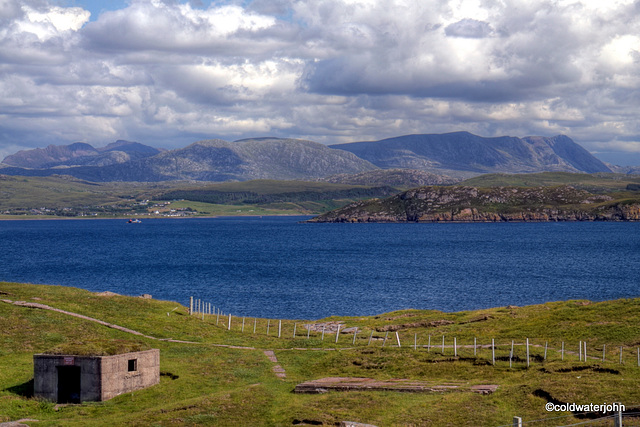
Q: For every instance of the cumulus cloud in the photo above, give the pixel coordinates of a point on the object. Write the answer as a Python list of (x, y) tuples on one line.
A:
[(470, 28), (171, 72)]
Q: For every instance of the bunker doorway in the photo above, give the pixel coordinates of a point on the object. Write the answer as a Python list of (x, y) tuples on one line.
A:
[(68, 384)]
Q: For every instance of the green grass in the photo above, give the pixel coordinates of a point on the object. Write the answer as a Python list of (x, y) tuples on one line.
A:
[(269, 186), (22, 194), (52, 192), (596, 182), (211, 209), (207, 384)]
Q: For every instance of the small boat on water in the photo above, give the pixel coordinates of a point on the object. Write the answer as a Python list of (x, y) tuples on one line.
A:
[(134, 221)]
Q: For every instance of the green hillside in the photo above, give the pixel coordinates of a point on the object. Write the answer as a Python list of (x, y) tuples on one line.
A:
[(66, 196), (216, 376), (595, 182)]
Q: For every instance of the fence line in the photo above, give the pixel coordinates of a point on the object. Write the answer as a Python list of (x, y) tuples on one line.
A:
[(451, 346)]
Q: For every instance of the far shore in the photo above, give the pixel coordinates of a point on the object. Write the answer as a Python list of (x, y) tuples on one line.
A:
[(51, 217)]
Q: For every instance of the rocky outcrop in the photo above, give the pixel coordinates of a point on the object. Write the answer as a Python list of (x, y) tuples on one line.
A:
[(501, 204)]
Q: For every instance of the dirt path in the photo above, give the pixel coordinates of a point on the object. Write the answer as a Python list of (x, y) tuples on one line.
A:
[(111, 325)]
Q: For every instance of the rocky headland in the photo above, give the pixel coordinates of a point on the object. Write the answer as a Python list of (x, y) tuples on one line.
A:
[(499, 204)]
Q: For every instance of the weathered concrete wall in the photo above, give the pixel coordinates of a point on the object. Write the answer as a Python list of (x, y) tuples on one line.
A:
[(117, 379), (101, 377), (45, 375)]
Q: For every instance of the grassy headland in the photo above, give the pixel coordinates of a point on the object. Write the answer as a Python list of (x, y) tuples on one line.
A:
[(64, 196), (591, 182), (203, 382)]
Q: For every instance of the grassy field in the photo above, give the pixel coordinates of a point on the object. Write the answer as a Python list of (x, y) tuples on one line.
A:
[(117, 199), (205, 383), (594, 183)]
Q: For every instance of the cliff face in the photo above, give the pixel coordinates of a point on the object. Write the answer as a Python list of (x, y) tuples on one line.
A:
[(501, 204)]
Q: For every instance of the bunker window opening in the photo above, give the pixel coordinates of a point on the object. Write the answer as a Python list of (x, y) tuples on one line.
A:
[(133, 365)]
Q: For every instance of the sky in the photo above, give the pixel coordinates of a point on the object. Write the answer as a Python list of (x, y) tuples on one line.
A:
[(170, 72)]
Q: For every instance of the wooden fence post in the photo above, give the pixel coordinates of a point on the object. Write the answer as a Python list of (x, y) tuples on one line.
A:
[(415, 342), (580, 351), (562, 352), (294, 329), (511, 355), (455, 347), (585, 351), (474, 346), (323, 326), (308, 331), (443, 345), (242, 325), (255, 322), (268, 325), (621, 355), (354, 337), (398, 339), (617, 421), (385, 338), (370, 336), (604, 346), (527, 352), (338, 333), (545, 349), (279, 328), (429, 344), (190, 306), (229, 327), (493, 352)]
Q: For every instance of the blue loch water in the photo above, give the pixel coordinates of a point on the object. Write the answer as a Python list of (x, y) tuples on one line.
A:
[(280, 268)]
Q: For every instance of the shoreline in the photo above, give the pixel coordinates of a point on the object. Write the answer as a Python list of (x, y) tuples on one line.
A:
[(55, 218), (515, 221)]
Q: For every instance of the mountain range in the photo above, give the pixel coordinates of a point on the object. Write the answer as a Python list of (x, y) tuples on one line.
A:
[(463, 151), (80, 154), (456, 154)]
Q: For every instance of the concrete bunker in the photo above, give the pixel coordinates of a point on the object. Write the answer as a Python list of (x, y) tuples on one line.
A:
[(80, 378)]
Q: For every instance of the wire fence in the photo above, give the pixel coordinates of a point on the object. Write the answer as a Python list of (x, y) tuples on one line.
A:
[(498, 352), (501, 352), (618, 418)]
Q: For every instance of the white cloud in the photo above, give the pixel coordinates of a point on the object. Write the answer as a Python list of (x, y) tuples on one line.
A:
[(155, 25), (51, 22), (169, 72)]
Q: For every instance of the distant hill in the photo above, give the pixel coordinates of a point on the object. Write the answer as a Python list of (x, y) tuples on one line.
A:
[(80, 154), (463, 151), (593, 183), (218, 160), (402, 178)]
